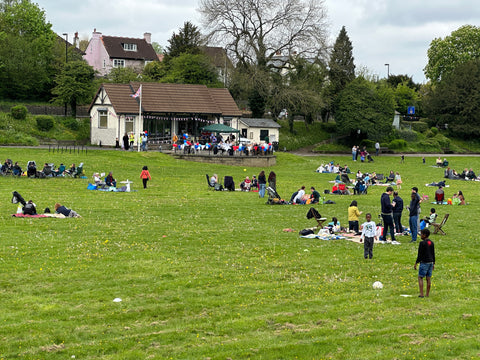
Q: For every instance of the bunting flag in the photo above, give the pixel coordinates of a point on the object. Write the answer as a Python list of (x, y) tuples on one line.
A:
[(138, 93)]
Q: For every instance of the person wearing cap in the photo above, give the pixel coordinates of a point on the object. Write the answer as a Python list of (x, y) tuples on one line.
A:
[(413, 213)]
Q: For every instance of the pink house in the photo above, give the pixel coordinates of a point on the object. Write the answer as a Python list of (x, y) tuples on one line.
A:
[(104, 53)]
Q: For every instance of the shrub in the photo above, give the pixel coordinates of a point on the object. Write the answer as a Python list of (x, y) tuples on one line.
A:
[(328, 127), (19, 112), (369, 144), (72, 124), (397, 144), (429, 134), (434, 130), (407, 135), (45, 122), (419, 126)]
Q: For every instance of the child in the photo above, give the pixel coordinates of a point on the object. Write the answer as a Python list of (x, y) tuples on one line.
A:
[(334, 225), (398, 180), (428, 220), (145, 176), (426, 259), (353, 214), (369, 234)]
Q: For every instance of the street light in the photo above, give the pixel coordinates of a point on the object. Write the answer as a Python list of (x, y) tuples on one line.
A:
[(388, 70), (66, 60), (66, 46)]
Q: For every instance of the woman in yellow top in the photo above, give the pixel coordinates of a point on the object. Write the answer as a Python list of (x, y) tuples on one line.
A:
[(174, 139), (353, 215)]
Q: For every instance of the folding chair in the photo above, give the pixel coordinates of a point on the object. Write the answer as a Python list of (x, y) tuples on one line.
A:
[(313, 213), (210, 186), (438, 227)]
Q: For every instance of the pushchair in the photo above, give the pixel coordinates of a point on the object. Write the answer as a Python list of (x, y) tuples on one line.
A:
[(273, 197)]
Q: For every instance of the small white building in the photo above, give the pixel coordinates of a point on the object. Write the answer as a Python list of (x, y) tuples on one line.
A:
[(257, 130), (160, 109)]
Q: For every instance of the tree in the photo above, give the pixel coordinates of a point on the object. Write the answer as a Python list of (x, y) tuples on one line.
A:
[(191, 69), (455, 101), (74, 85), (123, 75), (26, 51), (444, 55), (256, 30), (157, 47), (341, 68), (188, 40), (365, 110), (405, 96)]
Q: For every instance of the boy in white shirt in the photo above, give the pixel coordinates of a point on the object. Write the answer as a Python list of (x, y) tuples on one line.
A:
[(369, 234)]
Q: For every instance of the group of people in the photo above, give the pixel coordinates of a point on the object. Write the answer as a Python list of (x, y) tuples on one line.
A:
[(301, 197), (363, 153), (456, 199), (48, 170), (30, 208), (466, 174), (333, 168), (128, 141)]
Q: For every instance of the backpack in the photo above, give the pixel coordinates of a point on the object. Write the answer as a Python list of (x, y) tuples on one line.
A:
[(29, 209), (305, 232)]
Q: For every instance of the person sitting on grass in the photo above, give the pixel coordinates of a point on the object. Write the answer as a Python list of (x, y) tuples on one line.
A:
[(110, 180)]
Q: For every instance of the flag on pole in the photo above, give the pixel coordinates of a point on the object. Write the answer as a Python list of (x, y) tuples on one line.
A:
[(138, 93)]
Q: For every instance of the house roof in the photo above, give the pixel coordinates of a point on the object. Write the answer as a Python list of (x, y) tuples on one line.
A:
[(114, 47), (260, 123), (170, 98)]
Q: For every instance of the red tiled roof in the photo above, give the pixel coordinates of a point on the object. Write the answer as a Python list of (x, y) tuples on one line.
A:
[(172, 98)]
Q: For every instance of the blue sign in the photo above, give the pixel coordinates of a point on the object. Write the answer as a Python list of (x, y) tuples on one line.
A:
[(411, 110)]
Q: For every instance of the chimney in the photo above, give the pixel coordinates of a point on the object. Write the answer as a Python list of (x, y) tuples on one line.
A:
[(148, 37), (76, 43), (96, 35)]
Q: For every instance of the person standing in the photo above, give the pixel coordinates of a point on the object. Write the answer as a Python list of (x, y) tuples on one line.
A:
[(353, 215), (413, 215), (125, 142), (145, 176), (262, 184), (387, 215), (426, 259), (397, 212), (354, 153), (272, 180), (377, 148), (131, 138), (369, 233), (419, 209)]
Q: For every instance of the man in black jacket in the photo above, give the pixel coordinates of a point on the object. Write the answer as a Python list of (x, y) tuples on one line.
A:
[(397, 212), (387, 215)]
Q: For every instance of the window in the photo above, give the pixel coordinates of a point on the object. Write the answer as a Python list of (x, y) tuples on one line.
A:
[(263, 134), (118, 63), (129, 124), (102, 118), (244, 133), (130, 47)]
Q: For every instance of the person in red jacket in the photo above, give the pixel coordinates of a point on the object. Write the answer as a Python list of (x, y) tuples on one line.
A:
[(145, 176)]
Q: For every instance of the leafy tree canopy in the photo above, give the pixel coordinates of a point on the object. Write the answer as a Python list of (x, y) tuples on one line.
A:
[(74, 85), (366, 107), (188, 40), (444, 55), (191, 69), (456, 101)]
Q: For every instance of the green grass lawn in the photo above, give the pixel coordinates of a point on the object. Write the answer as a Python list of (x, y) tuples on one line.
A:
[(211, 275)]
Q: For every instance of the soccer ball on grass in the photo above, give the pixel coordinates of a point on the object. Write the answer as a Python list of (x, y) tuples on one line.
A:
[(377, 285)]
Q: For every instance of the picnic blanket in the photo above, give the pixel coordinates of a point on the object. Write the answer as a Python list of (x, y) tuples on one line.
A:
[(58, 216), (323, 237)]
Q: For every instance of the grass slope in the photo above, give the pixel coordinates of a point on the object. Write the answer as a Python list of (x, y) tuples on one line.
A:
[(211, 275)]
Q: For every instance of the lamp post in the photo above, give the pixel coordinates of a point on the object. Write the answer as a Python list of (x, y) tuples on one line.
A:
[(66, 46), (66, 60), (388, 70)]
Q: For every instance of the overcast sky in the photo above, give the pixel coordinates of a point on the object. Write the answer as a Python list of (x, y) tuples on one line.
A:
[(394, 32)]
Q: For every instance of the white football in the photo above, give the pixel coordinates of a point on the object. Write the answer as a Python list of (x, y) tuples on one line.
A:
[(377, 285)]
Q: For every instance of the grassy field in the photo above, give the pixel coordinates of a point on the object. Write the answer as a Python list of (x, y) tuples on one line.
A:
[(211, 275)]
